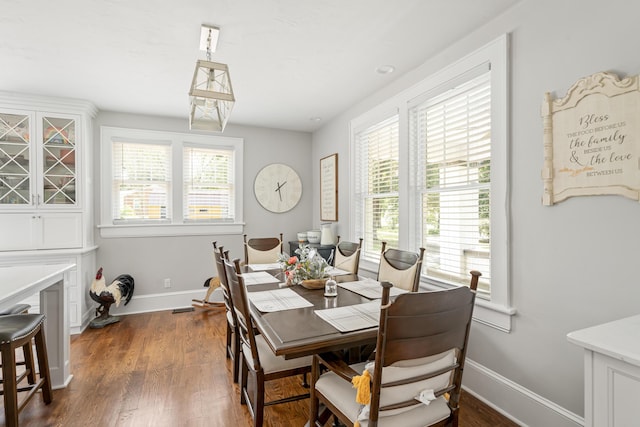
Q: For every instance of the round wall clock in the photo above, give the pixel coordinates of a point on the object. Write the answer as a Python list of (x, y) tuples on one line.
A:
[(278, 188)]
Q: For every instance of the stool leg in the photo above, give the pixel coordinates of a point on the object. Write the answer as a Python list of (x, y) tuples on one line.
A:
[(10, 388), (43, 364), (29, 364)]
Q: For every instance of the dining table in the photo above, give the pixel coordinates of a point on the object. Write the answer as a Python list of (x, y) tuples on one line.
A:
[(302, 331)]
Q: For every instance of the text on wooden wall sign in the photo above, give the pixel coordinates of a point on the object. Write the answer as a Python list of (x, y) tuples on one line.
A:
[(592, 139)]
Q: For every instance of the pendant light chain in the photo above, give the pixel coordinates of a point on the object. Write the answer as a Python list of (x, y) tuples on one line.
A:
[(209, 46)]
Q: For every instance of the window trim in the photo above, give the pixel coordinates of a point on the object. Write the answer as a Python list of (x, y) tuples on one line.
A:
[(178, 226), (497, 311)]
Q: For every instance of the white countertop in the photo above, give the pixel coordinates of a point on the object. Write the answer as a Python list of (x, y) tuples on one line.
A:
[(619, 339), (20, 282)]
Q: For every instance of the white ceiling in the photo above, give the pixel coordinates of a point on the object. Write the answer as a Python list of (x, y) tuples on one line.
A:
[(289, 60)]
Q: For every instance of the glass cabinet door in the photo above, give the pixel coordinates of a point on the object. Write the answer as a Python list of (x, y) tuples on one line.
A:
[(15, 176), (58, 161)]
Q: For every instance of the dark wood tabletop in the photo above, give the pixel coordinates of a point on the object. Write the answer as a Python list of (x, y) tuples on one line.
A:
[(300, 332)]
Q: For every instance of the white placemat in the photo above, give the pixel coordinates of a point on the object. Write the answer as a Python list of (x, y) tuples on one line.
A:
[(258, 278), (369, 289), (263, 267), (332, 271), (277, 300), (352, 317)]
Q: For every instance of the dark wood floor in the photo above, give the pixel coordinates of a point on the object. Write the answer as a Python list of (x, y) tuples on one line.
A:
[(164, 369)]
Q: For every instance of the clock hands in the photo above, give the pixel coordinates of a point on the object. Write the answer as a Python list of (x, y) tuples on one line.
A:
[(278, 189)]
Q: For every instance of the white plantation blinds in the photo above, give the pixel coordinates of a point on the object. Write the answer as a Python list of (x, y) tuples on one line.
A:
[(450, 135), (208, 184), (376, 185), (141, 185)]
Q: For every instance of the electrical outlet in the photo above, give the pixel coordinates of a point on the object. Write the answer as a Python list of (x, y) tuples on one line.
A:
[(167, 283)]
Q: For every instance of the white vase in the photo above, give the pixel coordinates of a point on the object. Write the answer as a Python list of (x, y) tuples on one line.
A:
[(327, 237)]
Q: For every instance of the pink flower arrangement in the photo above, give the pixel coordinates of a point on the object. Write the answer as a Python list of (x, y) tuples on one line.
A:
[(307, 265)]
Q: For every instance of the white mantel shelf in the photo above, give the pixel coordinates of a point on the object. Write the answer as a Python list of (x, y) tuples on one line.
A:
[(619, 339)]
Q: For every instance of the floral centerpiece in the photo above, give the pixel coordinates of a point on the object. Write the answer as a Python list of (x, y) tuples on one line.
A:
[(307, 265)]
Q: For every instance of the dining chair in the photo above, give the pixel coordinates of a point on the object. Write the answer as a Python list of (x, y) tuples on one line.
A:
[(347, 256), (401, 268), (416, 376), (262, 250), (233, 338), (260, 363)]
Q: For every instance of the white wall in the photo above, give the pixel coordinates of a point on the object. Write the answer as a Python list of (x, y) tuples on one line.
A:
[(573, 264), (188, 261)]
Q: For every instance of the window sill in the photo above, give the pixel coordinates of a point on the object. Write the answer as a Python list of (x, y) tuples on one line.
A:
[(493, 315), (167, 230)]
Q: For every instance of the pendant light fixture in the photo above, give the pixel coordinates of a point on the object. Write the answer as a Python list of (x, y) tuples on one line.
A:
[(211, 92)]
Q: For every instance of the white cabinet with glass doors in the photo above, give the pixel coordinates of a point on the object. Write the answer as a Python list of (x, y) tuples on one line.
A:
[(40, 155), (38, 160), (46, 201)]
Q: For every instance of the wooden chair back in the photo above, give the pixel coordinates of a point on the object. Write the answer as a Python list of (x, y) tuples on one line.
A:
[(218, 257), (401, 268), (262, 250), (238, 292), (445, 320), (232, 336)]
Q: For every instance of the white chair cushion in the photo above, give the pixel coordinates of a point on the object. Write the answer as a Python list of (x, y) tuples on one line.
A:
[(343, 396), (272, 363), (413, 368), (263, 257), (402, 279)]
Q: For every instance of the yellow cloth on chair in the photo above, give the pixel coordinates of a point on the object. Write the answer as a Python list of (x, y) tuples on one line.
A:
[(363, 384)]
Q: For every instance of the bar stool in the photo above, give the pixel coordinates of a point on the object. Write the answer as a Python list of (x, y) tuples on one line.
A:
[(27, 350), (16, 309), (18, 330)]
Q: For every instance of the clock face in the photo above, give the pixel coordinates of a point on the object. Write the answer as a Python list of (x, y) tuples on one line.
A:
[(278, 188)]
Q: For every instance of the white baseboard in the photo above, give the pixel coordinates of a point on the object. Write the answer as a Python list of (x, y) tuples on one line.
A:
[(163, 301), (515, 402)]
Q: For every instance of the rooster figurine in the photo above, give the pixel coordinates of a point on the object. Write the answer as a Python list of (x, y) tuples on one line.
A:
[(120, 288)]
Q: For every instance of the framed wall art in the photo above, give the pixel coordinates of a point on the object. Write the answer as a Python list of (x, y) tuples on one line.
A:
[(592, 139), (329, 188)]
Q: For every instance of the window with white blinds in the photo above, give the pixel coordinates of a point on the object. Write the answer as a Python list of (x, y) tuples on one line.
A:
[(376, 185), (430, 169), (157, 183), (208, 184), (141, 188), (450, 135)]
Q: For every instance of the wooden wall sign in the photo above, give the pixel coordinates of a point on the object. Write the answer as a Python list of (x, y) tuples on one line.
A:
[(329, 188), (592, 139)]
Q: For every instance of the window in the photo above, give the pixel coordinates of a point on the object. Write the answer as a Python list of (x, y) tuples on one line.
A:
[(450, 135), (163, 183), (208, 184), (376, 185), (141, 181), (429, 169)]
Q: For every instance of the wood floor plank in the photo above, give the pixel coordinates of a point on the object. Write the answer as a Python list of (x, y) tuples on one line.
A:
[(163, 369)]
